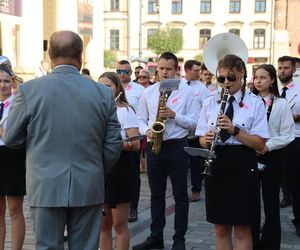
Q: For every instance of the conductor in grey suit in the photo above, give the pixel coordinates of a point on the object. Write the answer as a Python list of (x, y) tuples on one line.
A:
[(70, 128)]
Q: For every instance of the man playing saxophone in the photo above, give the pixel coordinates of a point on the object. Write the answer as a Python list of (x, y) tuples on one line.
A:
[(177, 111)]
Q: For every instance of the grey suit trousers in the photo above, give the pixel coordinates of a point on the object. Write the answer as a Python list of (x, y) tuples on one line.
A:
[(83, 225)]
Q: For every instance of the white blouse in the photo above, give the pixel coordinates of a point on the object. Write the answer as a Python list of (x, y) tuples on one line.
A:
[(7, 104), (127, 119), (281, 123)]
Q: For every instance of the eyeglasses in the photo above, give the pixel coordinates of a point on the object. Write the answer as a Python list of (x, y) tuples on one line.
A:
[(221, 79), (136, 72), (142, 77), (122, 71)]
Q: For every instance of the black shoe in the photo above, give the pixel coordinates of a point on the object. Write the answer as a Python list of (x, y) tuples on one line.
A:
[(132, 217), (285, 203), (149, 243), (178, 245)]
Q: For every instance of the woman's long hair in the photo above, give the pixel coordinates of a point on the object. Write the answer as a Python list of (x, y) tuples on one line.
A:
[(122, 100)]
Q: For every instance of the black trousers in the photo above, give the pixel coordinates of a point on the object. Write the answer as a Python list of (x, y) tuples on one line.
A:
[(172, 161), (196, 167), (270, 180), (292, 153), (135, 179)]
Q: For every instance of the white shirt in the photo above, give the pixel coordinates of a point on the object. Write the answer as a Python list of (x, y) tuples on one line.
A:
[(293, 98), (200, 92), (127, 119), (251, 117), (40, 72), (281, 123), (7, 104), (181, 101), (213, 88), (133, 93)]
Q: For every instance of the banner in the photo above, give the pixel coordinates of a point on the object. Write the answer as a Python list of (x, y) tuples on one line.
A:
[(10, 7), (85, 17)]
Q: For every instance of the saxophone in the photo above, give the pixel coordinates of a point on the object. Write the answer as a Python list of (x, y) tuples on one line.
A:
[(159, 126)]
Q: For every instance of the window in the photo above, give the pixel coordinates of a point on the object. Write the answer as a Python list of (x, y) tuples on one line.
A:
[(260, 6), (150, 33), (205, 6), (235, 31), (176, 6), (235, 6), (203, 37), (259, 39), (114, 40), (114, 5), (152, 6)]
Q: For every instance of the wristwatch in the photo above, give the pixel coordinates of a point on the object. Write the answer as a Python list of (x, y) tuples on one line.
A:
[(236, 130)]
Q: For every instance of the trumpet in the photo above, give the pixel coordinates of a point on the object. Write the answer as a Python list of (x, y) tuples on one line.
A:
[(209, 160)]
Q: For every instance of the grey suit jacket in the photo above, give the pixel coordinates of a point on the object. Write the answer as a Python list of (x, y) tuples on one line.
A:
[(71, 131)]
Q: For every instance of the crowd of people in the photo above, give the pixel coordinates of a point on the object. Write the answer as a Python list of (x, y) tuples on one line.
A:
[(81, 142)]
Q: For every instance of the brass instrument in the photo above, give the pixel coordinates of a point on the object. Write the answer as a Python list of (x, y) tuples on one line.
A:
[(209, 160), (159, 126), (5, 65)]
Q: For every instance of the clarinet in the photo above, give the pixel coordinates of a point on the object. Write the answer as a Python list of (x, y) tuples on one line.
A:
[(208, 162)]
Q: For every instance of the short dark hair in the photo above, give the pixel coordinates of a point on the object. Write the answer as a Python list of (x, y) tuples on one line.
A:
[(190, 63), (203, 67), (65, 44), (287, 59), (139, 67), (122, 62), (85, 71), (169, 56), (297, 59)]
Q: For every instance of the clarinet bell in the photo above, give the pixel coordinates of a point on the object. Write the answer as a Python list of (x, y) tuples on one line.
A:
[(207, 171)]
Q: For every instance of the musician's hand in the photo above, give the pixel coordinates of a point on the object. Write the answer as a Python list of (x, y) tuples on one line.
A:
[(170, 113), (265, 150), (149, 134), (224, 122), (166, 113), (208, 138)]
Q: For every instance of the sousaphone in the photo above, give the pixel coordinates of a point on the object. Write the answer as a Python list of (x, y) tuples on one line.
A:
[(220, 45)]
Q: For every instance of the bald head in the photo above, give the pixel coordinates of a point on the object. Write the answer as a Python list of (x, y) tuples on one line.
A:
[(65, 48)]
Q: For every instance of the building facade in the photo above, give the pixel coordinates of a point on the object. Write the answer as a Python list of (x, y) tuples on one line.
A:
[(268, 27), (26, 26)]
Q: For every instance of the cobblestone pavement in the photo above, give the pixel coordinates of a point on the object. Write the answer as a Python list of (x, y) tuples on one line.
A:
[(200, 235)]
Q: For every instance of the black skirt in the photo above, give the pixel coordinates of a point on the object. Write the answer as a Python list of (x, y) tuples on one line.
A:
[(12, 172), (232, 193), (117, 187)]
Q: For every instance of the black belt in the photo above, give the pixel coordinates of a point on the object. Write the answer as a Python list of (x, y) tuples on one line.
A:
[(173, 141)]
